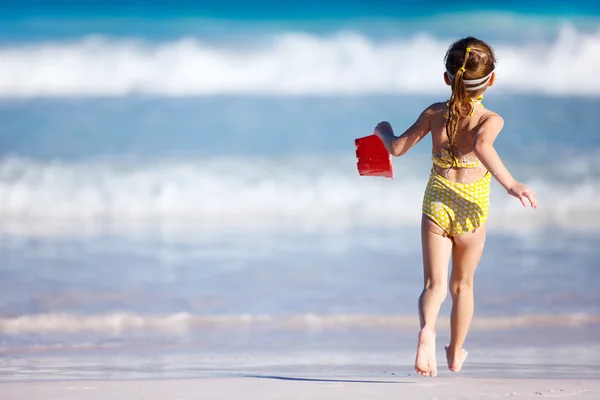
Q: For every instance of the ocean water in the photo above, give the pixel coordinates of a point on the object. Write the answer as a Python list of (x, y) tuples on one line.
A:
[(178, 184)]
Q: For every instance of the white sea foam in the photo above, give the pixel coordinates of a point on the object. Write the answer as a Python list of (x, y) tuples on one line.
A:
[(291, 63), (121, 322), (212, 194)]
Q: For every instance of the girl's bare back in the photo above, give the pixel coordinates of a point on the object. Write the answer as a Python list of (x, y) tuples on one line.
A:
[(468, 129)]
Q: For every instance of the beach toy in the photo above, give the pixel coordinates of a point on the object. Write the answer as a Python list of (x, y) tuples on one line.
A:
[(373, 158)]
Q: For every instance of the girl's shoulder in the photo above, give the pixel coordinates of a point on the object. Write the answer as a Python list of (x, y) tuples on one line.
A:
[(435, 109), (490, 116)]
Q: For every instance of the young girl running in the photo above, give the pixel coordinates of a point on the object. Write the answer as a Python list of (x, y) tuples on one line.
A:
[(455, 204)]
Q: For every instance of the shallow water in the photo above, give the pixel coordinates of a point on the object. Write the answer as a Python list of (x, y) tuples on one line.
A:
[(70, 299)]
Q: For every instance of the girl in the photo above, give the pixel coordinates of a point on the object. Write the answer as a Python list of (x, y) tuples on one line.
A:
[(455, 204)]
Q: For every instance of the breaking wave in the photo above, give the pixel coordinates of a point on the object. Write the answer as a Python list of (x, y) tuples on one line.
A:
[(289, 63), (296, 194)]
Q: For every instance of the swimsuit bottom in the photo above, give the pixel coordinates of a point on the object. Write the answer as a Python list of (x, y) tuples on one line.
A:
[(457, 207)]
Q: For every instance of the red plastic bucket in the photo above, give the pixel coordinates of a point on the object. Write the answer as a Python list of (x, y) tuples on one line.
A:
[(373, 158)]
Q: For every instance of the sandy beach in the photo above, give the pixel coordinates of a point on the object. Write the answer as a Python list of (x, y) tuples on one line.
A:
[(263, 387), (551, 371), (378, 363)]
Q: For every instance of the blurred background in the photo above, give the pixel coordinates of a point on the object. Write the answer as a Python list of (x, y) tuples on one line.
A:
[(180, 178)]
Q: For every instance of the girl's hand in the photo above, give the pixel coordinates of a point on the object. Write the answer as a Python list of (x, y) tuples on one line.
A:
[(522, 192), (383, 129)]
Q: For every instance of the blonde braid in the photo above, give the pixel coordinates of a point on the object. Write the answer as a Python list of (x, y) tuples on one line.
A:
[(456, 105)]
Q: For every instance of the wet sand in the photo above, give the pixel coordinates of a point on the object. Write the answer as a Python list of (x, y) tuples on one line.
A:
[(267, 387)]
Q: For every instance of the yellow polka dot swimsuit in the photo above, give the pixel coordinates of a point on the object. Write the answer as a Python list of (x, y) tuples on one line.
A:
[(456, 207)]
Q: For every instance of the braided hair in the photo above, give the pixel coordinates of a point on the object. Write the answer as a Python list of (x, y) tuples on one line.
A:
[(468, 61)]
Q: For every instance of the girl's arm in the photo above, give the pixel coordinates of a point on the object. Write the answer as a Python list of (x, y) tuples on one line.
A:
[(398, 146), (483, 146)]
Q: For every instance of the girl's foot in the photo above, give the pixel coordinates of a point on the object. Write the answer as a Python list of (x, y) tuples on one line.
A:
[(425, 363), (455, 358)]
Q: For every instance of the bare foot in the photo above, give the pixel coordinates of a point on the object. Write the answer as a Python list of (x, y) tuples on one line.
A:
[(455, 359), (425, 363)]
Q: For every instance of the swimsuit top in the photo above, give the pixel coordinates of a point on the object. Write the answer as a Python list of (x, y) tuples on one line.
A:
[(444, 160)]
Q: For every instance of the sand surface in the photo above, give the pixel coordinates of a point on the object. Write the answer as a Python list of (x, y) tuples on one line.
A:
[(263, 387)]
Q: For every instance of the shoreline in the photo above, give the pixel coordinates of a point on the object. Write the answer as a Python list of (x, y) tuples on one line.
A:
[(493, 361)]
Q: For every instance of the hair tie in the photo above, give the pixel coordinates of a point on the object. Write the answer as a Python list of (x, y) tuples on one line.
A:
[(465, 60)]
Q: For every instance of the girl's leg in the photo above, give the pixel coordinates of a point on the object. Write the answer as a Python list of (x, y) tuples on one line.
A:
[(465, 258), (437, 248)]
